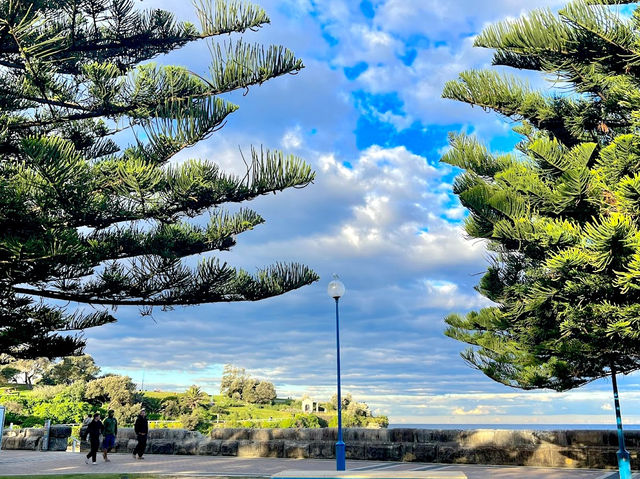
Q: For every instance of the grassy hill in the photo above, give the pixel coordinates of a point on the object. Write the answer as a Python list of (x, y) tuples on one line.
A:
[(30, 407)]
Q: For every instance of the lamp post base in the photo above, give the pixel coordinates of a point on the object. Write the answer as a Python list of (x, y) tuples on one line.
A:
[(624, 464), (341, 461)]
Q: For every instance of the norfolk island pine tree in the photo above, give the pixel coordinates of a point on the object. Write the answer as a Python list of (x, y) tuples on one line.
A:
[(86, 221), (561, 215)]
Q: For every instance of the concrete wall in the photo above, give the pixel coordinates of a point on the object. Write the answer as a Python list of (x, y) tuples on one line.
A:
[(596, 449), (30, 438)]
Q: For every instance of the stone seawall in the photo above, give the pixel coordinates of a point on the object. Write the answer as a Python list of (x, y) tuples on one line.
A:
[(595, 449), (30, 438)]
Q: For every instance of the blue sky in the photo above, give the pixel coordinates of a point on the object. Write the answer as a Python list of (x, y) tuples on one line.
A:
[(366, 112)]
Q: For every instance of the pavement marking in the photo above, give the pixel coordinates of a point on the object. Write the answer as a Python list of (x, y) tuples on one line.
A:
[(432, 468), (609, 475), (377, 467)]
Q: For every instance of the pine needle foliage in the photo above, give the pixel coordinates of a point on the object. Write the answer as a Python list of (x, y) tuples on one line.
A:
[(560, 216), (92, 210)]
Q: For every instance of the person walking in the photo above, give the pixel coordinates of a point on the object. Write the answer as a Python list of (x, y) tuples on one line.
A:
[(141, 428), (110, 432), (94, 429)]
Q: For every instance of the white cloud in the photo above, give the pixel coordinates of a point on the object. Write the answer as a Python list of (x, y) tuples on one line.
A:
[(384, 218), (450, 18), (292, 139), (392, 204), (477, 411)]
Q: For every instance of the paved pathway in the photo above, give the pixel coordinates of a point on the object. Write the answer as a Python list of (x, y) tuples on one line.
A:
[(29, 462)]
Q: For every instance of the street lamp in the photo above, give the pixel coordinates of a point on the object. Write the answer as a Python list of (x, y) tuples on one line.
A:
[(624, 459), (336, 290)]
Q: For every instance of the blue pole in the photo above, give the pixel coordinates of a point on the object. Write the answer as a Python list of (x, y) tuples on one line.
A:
[(340, 452), (624, 460)]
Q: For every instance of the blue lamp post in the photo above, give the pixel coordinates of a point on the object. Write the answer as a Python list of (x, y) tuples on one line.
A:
[(624, 459), (336, 290)]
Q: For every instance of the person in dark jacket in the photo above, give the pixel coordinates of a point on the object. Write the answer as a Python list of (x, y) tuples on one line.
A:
[(94, 429), (141, 428)]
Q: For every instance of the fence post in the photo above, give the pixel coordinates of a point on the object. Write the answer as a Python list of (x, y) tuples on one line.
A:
[(45, 438)]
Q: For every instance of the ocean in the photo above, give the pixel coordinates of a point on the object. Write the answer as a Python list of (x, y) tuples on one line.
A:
[(535, 427)]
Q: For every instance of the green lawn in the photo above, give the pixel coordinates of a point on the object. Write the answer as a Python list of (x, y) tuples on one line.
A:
[(259, 413), (15, 387)]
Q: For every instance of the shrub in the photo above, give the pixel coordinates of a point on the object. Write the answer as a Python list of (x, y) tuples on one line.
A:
[(302, 421), (189, 421), (195, 421), (32, 421), (165, 425), (15, 407), (348, 420), (378, 421), (62, 410), (152, 405)]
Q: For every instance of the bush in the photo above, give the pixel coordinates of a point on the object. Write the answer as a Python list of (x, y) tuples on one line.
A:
[(63, 410), (75, 433), (225, 402), (15, 407), (378, 422), (47, 393), (32, 421), (16, 419), (348, 420), (165, 425), (303, 421), (216, 409), (189, 421), (152, 405), (195, 421), (170, 407)]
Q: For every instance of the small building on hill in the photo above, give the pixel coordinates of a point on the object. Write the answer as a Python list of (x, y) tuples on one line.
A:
[(309, 406)]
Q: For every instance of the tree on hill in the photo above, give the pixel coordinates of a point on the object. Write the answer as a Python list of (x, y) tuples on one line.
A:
[(170, 407), (117, 393), (71, 369), (31, 370), (561, 217), (346, 400), (193, 398), (265, 392), (249, 390), (8, 373), (236, 384), (84, 219), (232, 380)]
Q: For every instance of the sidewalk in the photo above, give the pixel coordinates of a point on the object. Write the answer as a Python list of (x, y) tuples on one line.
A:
[(29, 462)]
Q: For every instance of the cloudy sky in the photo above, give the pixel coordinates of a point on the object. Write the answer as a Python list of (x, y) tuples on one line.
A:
[(366, 112)]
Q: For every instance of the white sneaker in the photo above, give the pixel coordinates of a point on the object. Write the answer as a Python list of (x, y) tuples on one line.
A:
[(94, 463)]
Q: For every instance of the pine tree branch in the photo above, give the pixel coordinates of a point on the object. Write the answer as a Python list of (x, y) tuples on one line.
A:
[(599, 21), (235, 286)]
